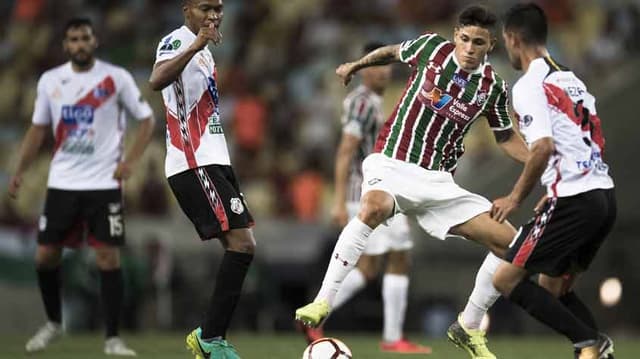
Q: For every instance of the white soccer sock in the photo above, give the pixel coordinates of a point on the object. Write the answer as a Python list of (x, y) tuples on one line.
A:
[(395, 289), (353, 282), (484, 294), (344, 258)]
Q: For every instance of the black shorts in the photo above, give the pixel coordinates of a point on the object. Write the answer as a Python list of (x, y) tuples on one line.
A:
[(211, 198), (566, 235), (68, 215)]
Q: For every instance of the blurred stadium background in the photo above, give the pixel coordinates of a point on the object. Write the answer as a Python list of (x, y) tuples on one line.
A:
[(280, 107)]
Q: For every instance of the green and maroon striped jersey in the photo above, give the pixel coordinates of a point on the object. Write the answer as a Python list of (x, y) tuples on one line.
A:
[(439, 104)]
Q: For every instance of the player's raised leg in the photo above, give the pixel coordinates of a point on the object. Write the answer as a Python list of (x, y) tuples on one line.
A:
[(48, 272), (375, 207)]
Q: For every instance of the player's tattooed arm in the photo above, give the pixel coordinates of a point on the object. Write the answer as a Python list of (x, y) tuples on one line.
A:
[(381, 56), (512, 144)]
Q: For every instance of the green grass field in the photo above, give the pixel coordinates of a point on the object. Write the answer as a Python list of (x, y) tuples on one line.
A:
[(252, 346)]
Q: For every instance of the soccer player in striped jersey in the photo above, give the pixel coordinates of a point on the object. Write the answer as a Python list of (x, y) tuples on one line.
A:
[(198, 167), (559, 121), (361, 120), (417, 150), (83, 101)]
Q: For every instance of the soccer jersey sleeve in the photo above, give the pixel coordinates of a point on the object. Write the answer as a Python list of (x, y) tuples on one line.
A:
[(412, 50), (41, 108), (357, 113), (171, 46), (498, 112), (532, 107), (131, 98)]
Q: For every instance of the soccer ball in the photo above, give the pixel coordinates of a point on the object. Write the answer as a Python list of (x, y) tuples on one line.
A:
[(327, 348)]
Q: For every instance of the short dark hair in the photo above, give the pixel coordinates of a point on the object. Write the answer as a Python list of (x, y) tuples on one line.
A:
[(529, 21), (476, 15), (370, 46), (76, 22)]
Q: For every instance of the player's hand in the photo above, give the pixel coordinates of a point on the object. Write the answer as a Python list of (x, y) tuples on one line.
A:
[(206, 34), (345, 72), (14, 185), (339, 215), (122, 172), (502, 207), (540, 205)]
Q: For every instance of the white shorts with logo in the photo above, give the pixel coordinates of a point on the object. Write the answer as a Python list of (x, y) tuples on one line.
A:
[(392, 236), (432, 197)]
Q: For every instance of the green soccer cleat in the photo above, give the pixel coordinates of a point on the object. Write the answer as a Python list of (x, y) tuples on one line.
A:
[(313, 314), (216, 349), (473, 341)]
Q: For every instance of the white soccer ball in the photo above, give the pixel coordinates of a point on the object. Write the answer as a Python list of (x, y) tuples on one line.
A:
[(327, 348)]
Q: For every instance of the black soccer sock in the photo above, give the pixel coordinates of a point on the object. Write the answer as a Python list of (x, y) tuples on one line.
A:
[(579, 309), (111, 292), (226, 293), (543, 306), (50, 282)]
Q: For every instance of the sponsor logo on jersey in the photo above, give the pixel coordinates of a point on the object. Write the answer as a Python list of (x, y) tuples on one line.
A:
[(78, 119), (374, 181), (236, 205), (77, 114), (459, 80)]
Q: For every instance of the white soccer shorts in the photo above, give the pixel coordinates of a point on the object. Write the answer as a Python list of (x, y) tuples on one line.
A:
[(432, 197)]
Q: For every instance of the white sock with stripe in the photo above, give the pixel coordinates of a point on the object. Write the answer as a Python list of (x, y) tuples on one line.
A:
[(345, 255), (484, 294), (395, 289), (352, 284)]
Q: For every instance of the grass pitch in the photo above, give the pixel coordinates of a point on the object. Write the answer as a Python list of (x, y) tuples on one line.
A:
[(267, 346)]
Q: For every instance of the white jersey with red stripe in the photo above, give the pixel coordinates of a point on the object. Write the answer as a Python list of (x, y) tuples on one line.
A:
[(552, 102), (87, 113), (194, 133)]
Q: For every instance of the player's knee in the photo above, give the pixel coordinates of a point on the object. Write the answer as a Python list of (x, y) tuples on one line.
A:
[(240, 241), (502, 283), (375, 210)]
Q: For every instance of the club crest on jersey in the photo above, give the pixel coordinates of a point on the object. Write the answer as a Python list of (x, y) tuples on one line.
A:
[(481, 98), (236, 205), (434, 67), (526, 120)]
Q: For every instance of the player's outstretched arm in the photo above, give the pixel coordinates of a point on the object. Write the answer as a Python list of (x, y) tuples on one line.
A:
[(166, 72), (541, 151), (28, 150), (512, 144), (142, 138), (381, 56)]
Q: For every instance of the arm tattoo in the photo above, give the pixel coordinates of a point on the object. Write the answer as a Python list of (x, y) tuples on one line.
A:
[(382, 56)]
